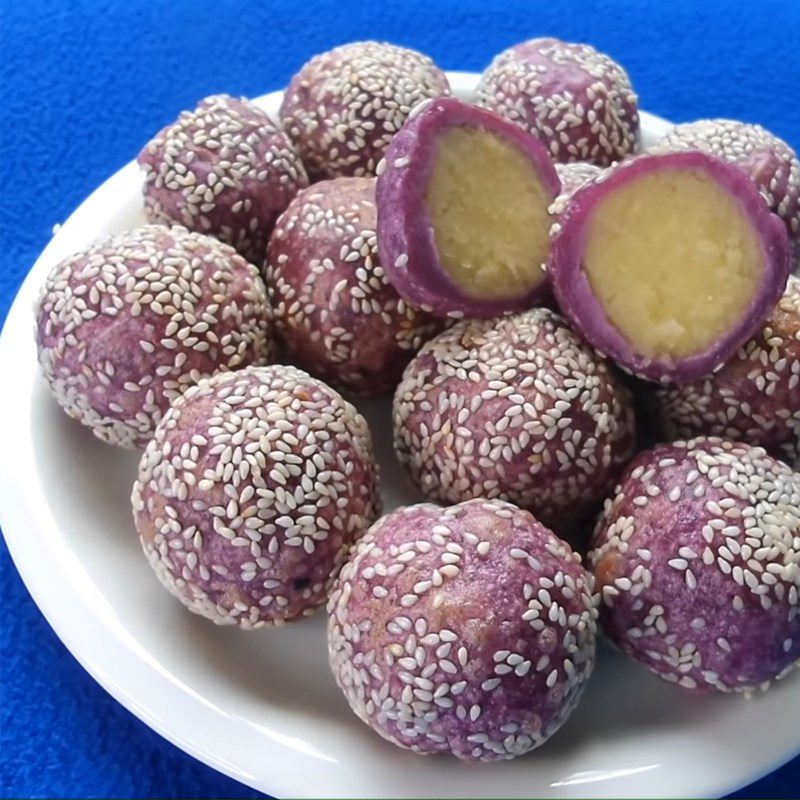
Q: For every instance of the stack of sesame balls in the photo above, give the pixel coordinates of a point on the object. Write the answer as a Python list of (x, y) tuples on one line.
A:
[(292, 266)]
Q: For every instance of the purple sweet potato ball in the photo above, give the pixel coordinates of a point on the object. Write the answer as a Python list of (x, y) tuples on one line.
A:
[(668, 264), (754, 398), (250, 493), (767, 160), (345, 105), (697, 562), (576, 100), (467, 630), (225, 169), (517, 408), (339, 316), (124, 326), (463, 211)]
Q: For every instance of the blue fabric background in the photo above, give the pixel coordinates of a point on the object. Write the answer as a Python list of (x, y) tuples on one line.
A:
[(84, 84)]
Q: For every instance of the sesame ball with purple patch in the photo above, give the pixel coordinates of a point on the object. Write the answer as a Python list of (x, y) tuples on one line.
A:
[(697, 562), (334, 308), (769, 161), (345, 105), (754, 398), (225, 169), (467, 630), (517, 408), (124, 326), (576, 100), (250, 493)]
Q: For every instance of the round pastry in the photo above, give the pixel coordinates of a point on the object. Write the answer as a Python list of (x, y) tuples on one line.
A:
[(250, 493), (225, 169), (754, 398), (697, 561), (576, 100), (467, 630), (463, 218), (769, 161), (334, 308), (517, 408), (668, 264), (125, 325), (344, 106)]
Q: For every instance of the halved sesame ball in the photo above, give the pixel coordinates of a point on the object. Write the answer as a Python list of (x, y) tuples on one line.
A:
[(463, 217), (345, 105), (576, 100), (517, 408), (124, 326), (668, 264), (467, 630), (769, 161), (334, 308), (225, 169), (754, 398), (697, 561), (250, 493)]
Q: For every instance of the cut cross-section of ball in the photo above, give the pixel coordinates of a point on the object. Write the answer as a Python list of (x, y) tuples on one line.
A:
[(463, 218), (668, 264)]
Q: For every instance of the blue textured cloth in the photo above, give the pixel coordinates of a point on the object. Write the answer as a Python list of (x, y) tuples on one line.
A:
[(84, 85)]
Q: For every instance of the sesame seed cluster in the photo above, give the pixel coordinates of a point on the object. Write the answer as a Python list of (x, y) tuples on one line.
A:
[(225, 169), (250, 492), (334, 306), (469, 629), (576, 100), (517, 408), (754, 398), (344, 106), (697, 561), (124, 326)]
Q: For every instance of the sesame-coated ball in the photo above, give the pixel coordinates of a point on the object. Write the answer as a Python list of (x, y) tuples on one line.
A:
[(250, 493), (697, 562), (578, 101), (345, 105), (334, 307), (225, 169), (754, 398), (768, 160), (517, 408), (124, 326), (467, 630)]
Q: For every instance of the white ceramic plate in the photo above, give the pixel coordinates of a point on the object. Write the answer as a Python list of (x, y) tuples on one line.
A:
[(262, 707)]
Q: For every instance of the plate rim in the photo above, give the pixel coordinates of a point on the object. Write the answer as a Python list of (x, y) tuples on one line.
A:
[(19, 517)]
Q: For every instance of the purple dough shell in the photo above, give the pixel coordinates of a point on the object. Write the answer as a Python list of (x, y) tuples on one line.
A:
[(467, 630), (225, 169), (576, 100), (767, 160), (406, 240), (345, 105), (340, 317), (124, 326), (697, 563), (754, 398), (580, 305), (250, 493), (517, 408), (573, 176)]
